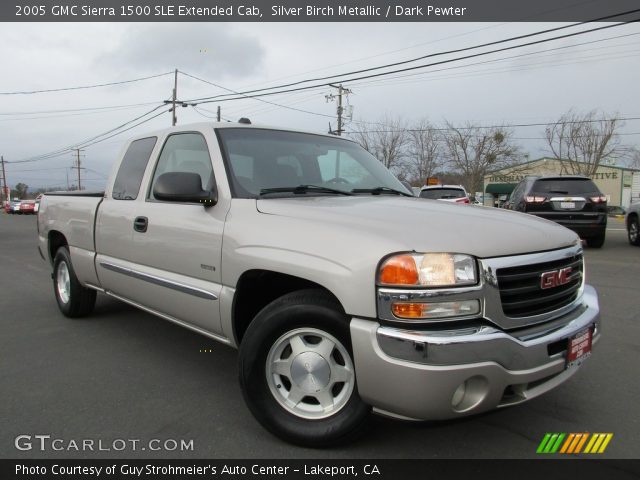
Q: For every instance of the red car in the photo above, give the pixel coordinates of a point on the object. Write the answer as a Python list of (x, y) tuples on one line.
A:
[(27, 207)]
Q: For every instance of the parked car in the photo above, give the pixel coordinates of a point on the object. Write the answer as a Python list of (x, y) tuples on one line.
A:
[(27, 207), (342, 291), (36, 208), (15, 207), (6, 207), (616, 211), (572, 201), (633, 224), (447, 193)]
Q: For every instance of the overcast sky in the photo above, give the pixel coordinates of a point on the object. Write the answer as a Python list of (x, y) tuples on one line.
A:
[(537, 88)]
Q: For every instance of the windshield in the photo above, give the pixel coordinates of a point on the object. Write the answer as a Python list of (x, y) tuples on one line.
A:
[(259, 160), (439, 193)]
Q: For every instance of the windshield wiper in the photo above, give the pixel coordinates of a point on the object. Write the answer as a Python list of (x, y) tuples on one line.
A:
[(302, 189), (380, 190)]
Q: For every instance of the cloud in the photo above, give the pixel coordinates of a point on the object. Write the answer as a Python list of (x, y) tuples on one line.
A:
[(210, 49)]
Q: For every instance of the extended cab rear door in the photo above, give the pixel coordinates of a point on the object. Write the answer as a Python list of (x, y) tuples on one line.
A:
[(114, 223)]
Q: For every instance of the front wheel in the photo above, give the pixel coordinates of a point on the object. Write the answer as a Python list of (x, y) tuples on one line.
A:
[(73, 299), (633, 230), (297, 372)]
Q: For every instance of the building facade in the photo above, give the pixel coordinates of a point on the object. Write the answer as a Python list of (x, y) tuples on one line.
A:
[(621, 185)]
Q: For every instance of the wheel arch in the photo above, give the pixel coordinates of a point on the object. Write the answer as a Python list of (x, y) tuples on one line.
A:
[(56, 240), (257, 288)]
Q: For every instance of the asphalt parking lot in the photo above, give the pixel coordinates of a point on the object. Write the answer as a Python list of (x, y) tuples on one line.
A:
[(124, 374)]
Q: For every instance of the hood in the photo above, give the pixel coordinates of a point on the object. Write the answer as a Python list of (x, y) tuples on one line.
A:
[(425, 225)]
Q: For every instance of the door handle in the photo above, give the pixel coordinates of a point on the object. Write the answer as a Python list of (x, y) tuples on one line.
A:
[(140, 224)]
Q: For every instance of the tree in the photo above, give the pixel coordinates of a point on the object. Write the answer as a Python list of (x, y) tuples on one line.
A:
[(474, 151), (20, 190), (583, 141), (386, 142), (424, 151)]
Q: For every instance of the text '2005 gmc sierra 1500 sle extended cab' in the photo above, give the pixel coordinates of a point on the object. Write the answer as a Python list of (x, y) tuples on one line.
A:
[(342, 291)]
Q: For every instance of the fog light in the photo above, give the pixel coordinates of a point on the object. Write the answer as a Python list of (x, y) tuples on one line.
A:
[(470, 394), (433, 310), (458, 395)]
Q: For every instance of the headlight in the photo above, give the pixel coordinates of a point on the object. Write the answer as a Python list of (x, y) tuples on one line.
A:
[(428, 269)]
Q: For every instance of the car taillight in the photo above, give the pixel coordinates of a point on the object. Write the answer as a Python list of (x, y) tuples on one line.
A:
[(534, 199), (462, 200), (598, 199)]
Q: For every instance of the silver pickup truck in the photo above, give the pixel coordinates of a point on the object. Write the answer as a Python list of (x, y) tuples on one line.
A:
[(342, 291)]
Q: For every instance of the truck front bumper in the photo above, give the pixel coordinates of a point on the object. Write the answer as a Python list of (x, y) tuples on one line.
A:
[(440, 374)]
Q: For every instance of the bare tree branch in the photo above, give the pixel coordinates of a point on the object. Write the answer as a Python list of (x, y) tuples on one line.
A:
[(424, 152), (387, 144), (582, 142), (475, 151)]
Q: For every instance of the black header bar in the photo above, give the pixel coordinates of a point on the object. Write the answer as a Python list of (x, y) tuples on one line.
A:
[(311, 469), (313, 10)]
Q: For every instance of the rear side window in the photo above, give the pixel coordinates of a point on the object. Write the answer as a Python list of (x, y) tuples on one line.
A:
[(129, 177), (564, 186), (438, 193)]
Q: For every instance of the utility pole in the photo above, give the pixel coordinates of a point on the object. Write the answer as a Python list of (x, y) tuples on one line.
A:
[(218, 113), (175, 96), (5, 192), (340, 110), (77, 166)]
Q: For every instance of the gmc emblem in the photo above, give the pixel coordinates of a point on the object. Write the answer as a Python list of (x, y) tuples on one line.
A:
[(555, 278)]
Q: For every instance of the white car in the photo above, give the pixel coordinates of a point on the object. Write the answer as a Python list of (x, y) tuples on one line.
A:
[(447, 193)]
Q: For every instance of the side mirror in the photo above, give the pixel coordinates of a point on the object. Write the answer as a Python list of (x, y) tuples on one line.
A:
[(408, 186), (184, 187)]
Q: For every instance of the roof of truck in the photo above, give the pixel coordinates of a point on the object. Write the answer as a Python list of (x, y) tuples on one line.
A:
[(220, 125)]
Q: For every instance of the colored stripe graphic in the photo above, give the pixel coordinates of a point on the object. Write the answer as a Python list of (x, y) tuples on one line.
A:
[(582, 442), (551, 443), (573, 443), (567, 443), (598, 442)]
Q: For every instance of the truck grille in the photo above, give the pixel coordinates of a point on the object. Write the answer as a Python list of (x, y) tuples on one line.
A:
[(521, 292)]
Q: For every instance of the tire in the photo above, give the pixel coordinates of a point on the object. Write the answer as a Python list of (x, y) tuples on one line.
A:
[(313, 401), (596, 242), (73, 299), (633, 231)]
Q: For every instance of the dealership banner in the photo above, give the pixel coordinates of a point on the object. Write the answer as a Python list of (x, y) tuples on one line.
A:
[(317, 11), (318, 469)]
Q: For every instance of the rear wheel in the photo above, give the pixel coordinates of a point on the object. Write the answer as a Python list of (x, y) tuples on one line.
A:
[(633, 229), (297, 373), (596, 242), (73, 299)]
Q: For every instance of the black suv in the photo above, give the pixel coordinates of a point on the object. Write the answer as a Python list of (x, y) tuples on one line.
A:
[(572, 201)]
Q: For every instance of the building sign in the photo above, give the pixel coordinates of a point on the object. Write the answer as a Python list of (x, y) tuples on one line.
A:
[(516, 178)]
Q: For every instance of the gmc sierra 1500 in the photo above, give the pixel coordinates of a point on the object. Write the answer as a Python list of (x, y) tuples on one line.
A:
[(342, 291)]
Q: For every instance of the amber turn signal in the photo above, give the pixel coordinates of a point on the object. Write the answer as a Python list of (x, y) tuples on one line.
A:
[(399, 270)]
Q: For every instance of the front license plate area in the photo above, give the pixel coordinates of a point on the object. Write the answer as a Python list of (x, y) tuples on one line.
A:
[(579, 348)]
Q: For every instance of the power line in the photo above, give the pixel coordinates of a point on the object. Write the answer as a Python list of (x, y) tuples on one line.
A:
[(258, 99), (503, 59), (473, 127), (83, 87), (350, 80), (80, 109), (86, 142), (448, 52)]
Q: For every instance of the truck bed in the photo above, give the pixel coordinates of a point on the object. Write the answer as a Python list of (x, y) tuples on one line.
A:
[(73, 214)]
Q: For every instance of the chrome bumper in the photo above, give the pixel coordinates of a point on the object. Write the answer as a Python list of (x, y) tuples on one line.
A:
[(442, 374)]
